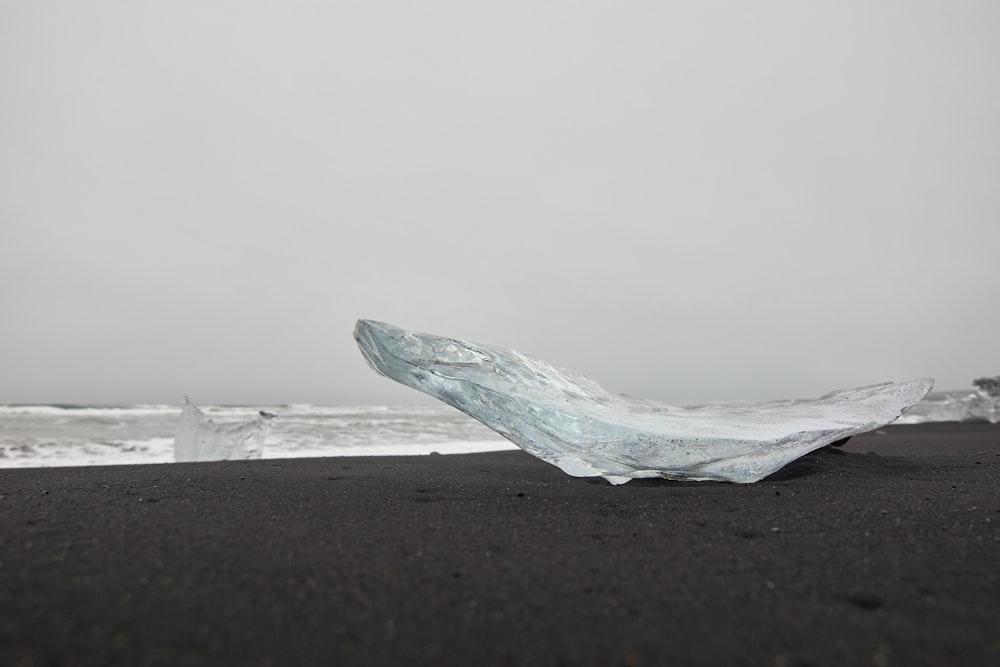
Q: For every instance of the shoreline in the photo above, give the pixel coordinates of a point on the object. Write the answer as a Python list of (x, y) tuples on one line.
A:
[(886, 551), (449, 448)]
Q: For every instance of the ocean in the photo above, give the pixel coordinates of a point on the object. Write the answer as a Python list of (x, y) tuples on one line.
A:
[(83, 435)]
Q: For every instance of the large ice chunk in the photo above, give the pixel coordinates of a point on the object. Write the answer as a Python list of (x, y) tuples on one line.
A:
[(568, 420), (199, 438), (982, 404)]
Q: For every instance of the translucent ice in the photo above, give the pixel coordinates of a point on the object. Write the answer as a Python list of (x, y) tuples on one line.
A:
[(982, 404), (568, 420), (199, 438)]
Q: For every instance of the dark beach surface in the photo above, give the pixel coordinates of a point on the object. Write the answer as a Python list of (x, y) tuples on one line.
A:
[(884, 552)]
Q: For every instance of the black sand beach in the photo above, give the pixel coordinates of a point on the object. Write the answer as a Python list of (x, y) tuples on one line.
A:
[(886, 552)]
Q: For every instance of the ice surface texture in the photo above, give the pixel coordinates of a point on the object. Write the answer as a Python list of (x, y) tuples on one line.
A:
[(568, 420), (198, 438)]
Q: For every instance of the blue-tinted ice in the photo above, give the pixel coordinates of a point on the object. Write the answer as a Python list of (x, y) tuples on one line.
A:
[(199, 438), (568, 420)]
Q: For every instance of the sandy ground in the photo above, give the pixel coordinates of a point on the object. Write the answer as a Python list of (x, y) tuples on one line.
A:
[(886, 552)]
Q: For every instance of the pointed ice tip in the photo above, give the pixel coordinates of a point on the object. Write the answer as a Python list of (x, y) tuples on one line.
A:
[(365, 328), (915, 391), (372, 327), (366, 336), (923, 385)]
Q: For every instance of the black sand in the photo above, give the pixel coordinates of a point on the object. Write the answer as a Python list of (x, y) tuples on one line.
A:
[(885, 554)]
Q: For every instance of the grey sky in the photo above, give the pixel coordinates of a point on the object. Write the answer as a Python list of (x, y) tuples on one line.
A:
[(686, 201)]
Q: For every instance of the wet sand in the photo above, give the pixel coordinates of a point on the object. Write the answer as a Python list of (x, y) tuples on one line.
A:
[(885, 552)]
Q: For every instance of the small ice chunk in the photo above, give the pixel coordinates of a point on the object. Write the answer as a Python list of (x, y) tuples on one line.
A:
[(199, 438), (988, 386), (568, 420), (983, 404)]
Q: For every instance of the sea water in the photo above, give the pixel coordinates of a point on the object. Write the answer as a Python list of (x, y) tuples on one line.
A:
[(79, 435)]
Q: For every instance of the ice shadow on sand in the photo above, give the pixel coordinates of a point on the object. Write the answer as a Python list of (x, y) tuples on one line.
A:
[(832, 459)]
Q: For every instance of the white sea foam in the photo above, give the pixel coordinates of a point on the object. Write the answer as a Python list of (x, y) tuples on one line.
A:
[(43, 435), (88, 411), (41, 453)]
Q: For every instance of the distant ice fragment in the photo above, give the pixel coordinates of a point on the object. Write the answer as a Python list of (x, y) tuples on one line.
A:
[(568, 420), (982, 404), (199, 438), (988, 386)]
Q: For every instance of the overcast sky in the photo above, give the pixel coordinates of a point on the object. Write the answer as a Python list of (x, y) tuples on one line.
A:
[(686, 201)]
